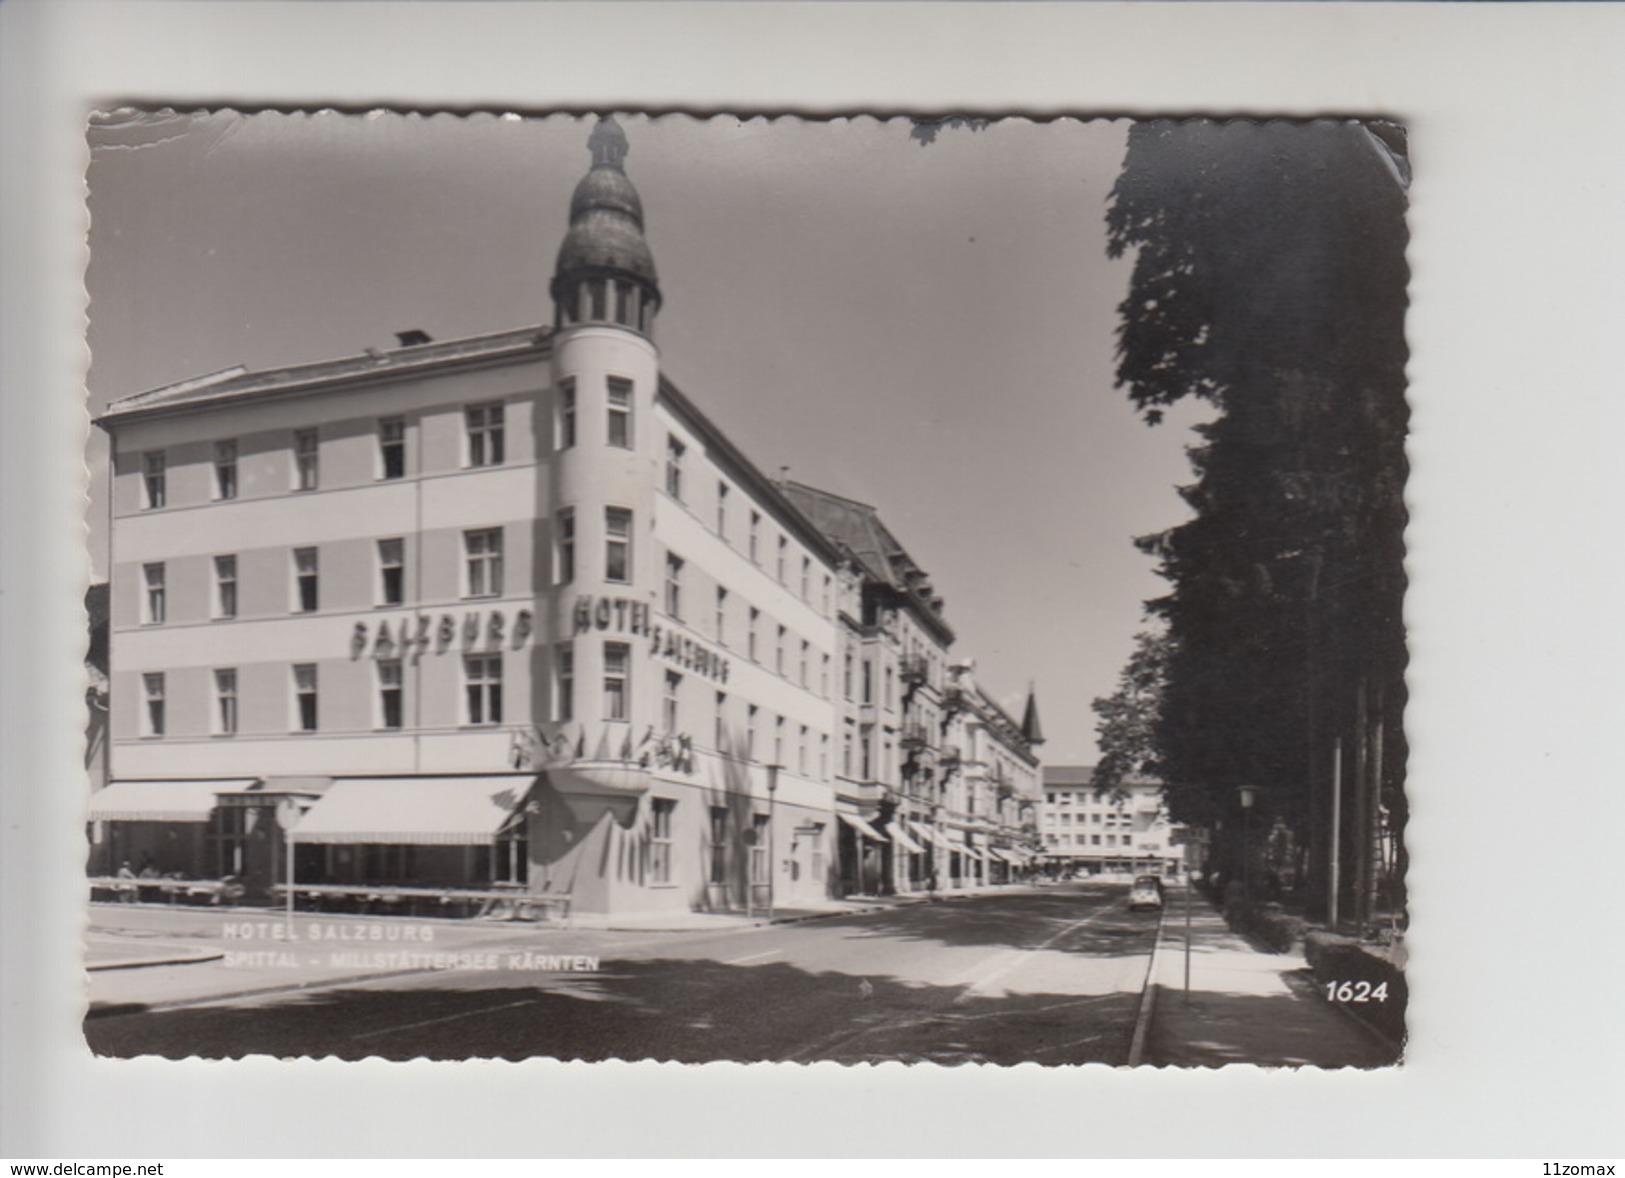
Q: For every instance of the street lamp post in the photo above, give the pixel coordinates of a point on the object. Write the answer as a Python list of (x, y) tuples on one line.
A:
[(772, 816), (1249, 795)]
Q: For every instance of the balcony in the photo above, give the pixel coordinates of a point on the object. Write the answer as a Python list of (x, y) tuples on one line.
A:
[(915, 736), (914, 668)]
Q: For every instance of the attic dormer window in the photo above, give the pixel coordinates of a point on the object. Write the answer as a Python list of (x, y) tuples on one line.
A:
[(413, 338)]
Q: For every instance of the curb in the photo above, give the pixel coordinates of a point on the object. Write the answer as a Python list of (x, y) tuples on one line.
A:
[(1148, 997), (147, 962)]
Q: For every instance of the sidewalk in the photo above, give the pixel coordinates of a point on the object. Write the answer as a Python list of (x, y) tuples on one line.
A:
[(1245, 1005)]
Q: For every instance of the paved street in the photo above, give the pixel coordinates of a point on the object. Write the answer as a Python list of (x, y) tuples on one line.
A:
[(1051, 975)]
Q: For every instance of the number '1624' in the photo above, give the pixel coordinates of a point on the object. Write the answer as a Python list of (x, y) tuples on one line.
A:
[(1356, 992)]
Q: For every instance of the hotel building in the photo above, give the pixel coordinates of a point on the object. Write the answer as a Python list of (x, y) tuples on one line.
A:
[(1091, 830), (509, 612)]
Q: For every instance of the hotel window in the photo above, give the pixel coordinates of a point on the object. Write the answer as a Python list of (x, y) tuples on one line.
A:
[(866, 743), (486, 434), (152, 686), (567, 414), (722, 510), (306, 460), (674, 467), (718, 873), (674, 586), (1094, 840), (617, 656), (802, 675), (305, 580), (564, 539), (778, 652), (390, 697), (157, 597), (668, 702), (225, 469), (823, 756), (846, 753), (784, 552), (868, 682), (304, 697), (564, 682), (660, 824), (754, 549), (482, 677), (391, 571), (801, 751), (483, 560), (758, 849), (806, 578), (722, 616), (392, 447), (826, 593), (225, 586), (755, 619), (155, 478), (846, 676), (619, 425), (888, 688), (823, 677), (778, 740), (721, 734), (617, 545), (752, 714), (888, 767)]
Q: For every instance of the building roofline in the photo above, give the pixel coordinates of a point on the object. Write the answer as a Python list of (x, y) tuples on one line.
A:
[(885, 577), (238, 384), (748, 473)]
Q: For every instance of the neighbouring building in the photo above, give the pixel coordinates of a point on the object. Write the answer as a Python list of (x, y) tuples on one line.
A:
[(509, 612), (937, 787), (1093, 830)]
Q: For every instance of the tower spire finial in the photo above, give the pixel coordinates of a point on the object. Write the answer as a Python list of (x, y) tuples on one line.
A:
[(607, 143)]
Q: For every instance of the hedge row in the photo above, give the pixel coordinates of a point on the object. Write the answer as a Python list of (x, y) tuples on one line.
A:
[(1335, 959), (1277, 930)]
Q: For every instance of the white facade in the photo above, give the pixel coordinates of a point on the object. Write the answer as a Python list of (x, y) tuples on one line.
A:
[(1097, 831), (525, 567)]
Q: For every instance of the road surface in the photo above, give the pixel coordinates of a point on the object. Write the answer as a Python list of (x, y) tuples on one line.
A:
[(1051, 975)]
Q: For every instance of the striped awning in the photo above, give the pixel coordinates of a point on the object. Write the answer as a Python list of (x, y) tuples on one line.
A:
[(936, 836), (420, 811), (899, 835), (161, 801), (861, 827)]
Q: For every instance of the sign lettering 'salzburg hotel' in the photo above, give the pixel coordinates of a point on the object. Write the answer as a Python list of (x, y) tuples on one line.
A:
[(509, 612)]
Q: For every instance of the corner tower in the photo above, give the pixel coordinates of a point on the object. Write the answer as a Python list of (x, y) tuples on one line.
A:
[(599, 495)]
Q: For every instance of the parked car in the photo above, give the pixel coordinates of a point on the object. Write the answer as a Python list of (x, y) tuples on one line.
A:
[(1146, 892)]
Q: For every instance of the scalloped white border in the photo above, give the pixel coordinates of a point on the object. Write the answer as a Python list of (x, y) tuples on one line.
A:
[(1517, 229)]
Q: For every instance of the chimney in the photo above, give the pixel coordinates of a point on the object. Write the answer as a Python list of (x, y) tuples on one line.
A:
[(414, 338)]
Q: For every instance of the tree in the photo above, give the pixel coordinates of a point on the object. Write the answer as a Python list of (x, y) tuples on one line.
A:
[(1128, 717), (1269, 280)]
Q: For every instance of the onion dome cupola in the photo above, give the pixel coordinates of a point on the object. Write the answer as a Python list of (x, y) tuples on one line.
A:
[(605, 272)]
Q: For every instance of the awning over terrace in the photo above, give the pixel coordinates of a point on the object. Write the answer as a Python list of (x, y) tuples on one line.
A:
[(421, 811), (161, 801)]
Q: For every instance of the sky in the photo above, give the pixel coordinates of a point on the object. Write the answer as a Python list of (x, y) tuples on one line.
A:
[(928, 328)]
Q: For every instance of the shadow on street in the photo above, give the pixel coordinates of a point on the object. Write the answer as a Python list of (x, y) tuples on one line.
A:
[(661, 1010)]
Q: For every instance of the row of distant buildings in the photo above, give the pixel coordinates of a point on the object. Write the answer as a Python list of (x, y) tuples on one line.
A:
[(511, 613)]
